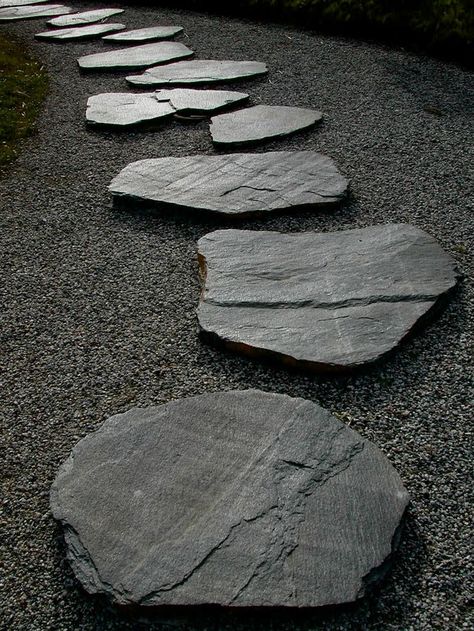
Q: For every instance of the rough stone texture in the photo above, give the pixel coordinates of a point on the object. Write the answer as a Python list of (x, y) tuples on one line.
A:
[(238, 498), (261, 122), (135, 57), (233, 185), (85, 17), (145, 34), (19, 3), (199, 71), (320, 300), (81, 32), (29, 12)]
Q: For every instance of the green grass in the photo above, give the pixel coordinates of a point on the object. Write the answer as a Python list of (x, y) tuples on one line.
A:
[(23, 86)]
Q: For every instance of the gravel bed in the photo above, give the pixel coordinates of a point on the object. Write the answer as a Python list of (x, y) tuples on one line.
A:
[(98, 308)]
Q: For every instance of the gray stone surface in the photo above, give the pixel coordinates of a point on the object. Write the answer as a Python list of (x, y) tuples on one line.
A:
[(29, 12), (145, 34), (320, 300), (240, 498), (19, 3), (199, 71), (135, 56), (261, 122), (233, 185), (80, 32), (85, 17)]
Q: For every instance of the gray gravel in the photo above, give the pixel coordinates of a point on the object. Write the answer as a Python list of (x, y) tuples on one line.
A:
[(99, 305)]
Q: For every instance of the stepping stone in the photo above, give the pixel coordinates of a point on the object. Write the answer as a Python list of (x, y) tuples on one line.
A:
[(321, 301), (235, 185), (122, 109), (19, 3), (135, 57), (30, 12), (241, 499), (145, 34), (81, 32), (261, 122), (86, 17), (199, 71)]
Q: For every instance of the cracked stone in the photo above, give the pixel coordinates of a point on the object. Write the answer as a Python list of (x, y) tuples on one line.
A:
[(234, 185), (81, 32), (261, 122), (135, 56), (85, 17), (199, 71), (243, 499), (322, 301), (29, 12), (145, 34)]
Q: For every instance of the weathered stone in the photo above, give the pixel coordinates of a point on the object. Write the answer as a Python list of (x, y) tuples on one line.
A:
[(260, 122), (199, 71), (233, 185), (320, 300), (135, 56), (243, 499), (19, 3), (85, 17), (81, 32), (145, 34), (30, 12)]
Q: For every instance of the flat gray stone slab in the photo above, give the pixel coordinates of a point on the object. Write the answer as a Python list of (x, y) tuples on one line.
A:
[(135, 56), (31, 12), (123, 109), (145, 34), (320, 300), (242, 499), (261, 122), (233, 185), (81, 32), (199, 71), (85, 17), (19, 3)]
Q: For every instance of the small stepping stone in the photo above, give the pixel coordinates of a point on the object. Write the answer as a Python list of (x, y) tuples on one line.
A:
[(235, 185), (19, 3), (86, 17), (261, 122), (30, 12), (322, 301), (145, 34), (241, 499), (122, 109), (135, 57), (81, 32), (199, 71)]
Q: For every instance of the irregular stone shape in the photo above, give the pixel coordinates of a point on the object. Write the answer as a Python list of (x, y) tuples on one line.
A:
[(81, 32), (199, 71), (145, 34), (320, 300), (86, 17), (243, 499), (30, 12), (19, 3), (122, 109), (261, 122), (233, 185), (135, 57)]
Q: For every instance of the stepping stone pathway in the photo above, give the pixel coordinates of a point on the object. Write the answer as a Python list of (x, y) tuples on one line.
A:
[(320, 300), (81, 32), (242, 499), (19, 3), (145, 34), (135, 57), (30, 12), (123, 109), (199, 71), (86, 17), (234, 185), (261, 122)]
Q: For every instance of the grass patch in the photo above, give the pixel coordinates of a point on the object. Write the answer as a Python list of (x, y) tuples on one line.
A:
[(23, 86)]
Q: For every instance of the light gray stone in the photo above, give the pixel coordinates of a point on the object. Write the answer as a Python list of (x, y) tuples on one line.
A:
[(242, 499), (323, 301), (199, 71), (85, 17), (135, 56), (233, 185), (19, 3), (81, 32), (145, 34), (30, 12)]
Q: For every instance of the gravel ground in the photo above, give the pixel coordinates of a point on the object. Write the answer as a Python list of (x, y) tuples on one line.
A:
[(98, 309)]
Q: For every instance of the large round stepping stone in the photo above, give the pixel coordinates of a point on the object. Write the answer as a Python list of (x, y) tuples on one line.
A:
[(19, 3), (234, 185), (242, 499), (135, 57), (123, 109), (261, 122), (145, 34), (31, 12), (86, 17), (81, 32), (199, 71), (324, 301)]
